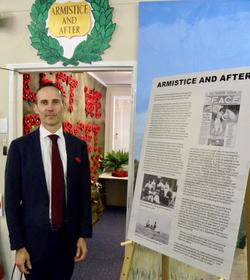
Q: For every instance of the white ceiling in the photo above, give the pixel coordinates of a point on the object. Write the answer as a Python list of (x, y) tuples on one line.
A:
[(113, 77)]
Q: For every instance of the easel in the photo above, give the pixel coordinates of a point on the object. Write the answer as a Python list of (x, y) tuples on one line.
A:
[(129, 251), (130, 246)]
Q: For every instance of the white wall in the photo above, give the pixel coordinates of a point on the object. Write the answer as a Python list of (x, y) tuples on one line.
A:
[(15, 48)]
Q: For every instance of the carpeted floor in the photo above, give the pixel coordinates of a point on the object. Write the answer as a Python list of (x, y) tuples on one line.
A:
[(105, 255)]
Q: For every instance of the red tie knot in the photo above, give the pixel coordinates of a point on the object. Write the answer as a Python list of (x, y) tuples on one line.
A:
[(53, 138)]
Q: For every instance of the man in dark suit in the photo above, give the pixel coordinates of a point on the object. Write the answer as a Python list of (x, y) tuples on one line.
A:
[(45, 250)]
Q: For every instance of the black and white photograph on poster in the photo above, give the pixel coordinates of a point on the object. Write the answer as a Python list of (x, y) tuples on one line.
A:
[(220, 118), (153, 226), (159, 190)]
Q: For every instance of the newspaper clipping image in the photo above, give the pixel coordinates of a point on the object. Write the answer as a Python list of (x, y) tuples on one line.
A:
[(219, 120), (159, 190), (193, 168)]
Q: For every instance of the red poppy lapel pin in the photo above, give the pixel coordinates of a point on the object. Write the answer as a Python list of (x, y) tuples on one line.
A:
[(77, 160)]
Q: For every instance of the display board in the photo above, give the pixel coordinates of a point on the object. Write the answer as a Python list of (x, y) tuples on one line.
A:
[(194, 168)]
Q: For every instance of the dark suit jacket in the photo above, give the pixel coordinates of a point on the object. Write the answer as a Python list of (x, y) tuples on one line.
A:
[(27, 199)]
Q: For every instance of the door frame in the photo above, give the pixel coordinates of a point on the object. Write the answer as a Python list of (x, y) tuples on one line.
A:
[(15, 122)]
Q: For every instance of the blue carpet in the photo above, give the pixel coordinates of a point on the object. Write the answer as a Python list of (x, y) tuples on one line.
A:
[(105, 255)]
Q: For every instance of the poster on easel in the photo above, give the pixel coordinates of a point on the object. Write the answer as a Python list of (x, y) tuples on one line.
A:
[(194, 167)]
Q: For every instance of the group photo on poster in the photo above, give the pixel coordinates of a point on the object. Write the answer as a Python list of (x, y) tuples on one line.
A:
[(159, 190)]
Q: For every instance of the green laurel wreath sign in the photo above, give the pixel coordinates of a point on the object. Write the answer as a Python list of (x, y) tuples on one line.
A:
[(87, 51)]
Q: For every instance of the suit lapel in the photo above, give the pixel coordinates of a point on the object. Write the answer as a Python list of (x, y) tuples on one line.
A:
[(37, 159)]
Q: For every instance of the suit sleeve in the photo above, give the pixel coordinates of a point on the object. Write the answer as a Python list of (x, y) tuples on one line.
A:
[(13, 197), (86, 217)]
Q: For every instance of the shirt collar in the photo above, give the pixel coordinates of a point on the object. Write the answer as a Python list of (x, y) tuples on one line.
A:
[(45, 133)]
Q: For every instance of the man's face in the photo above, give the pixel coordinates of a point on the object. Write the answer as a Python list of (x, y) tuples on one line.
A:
[(49, 105)]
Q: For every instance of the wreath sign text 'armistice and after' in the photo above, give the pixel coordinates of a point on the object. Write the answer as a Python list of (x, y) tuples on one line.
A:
[(87, 51)]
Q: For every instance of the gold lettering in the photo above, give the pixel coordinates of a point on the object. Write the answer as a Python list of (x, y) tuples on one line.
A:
[(52, 11), (57, 10), (84, 9), (74, 20), (71, 10), (64, 10), (66, 30), (61, 32), (69, 19)]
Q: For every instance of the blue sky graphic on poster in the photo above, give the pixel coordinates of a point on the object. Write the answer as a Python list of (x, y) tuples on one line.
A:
[(188, 36)]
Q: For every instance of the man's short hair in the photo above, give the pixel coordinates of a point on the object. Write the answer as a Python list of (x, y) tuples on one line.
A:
[(49, 85)]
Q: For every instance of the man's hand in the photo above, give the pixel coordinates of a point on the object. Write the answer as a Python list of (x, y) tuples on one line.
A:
[(23, 260), (81, 250)]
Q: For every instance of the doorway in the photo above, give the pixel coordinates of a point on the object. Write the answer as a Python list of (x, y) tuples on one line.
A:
[(116, 70)]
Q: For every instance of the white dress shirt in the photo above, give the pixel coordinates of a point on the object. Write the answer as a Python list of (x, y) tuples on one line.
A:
[(46, 147)]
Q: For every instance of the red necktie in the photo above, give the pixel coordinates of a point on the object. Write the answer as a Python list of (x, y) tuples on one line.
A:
[(57, 184)]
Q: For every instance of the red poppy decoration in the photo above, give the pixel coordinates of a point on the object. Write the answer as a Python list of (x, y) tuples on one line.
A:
[(72, 83), (92, 103), (77, 160), (68, 127), (29, 122), (89, 148), (43, 79), (28, 95), (93, 179)]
